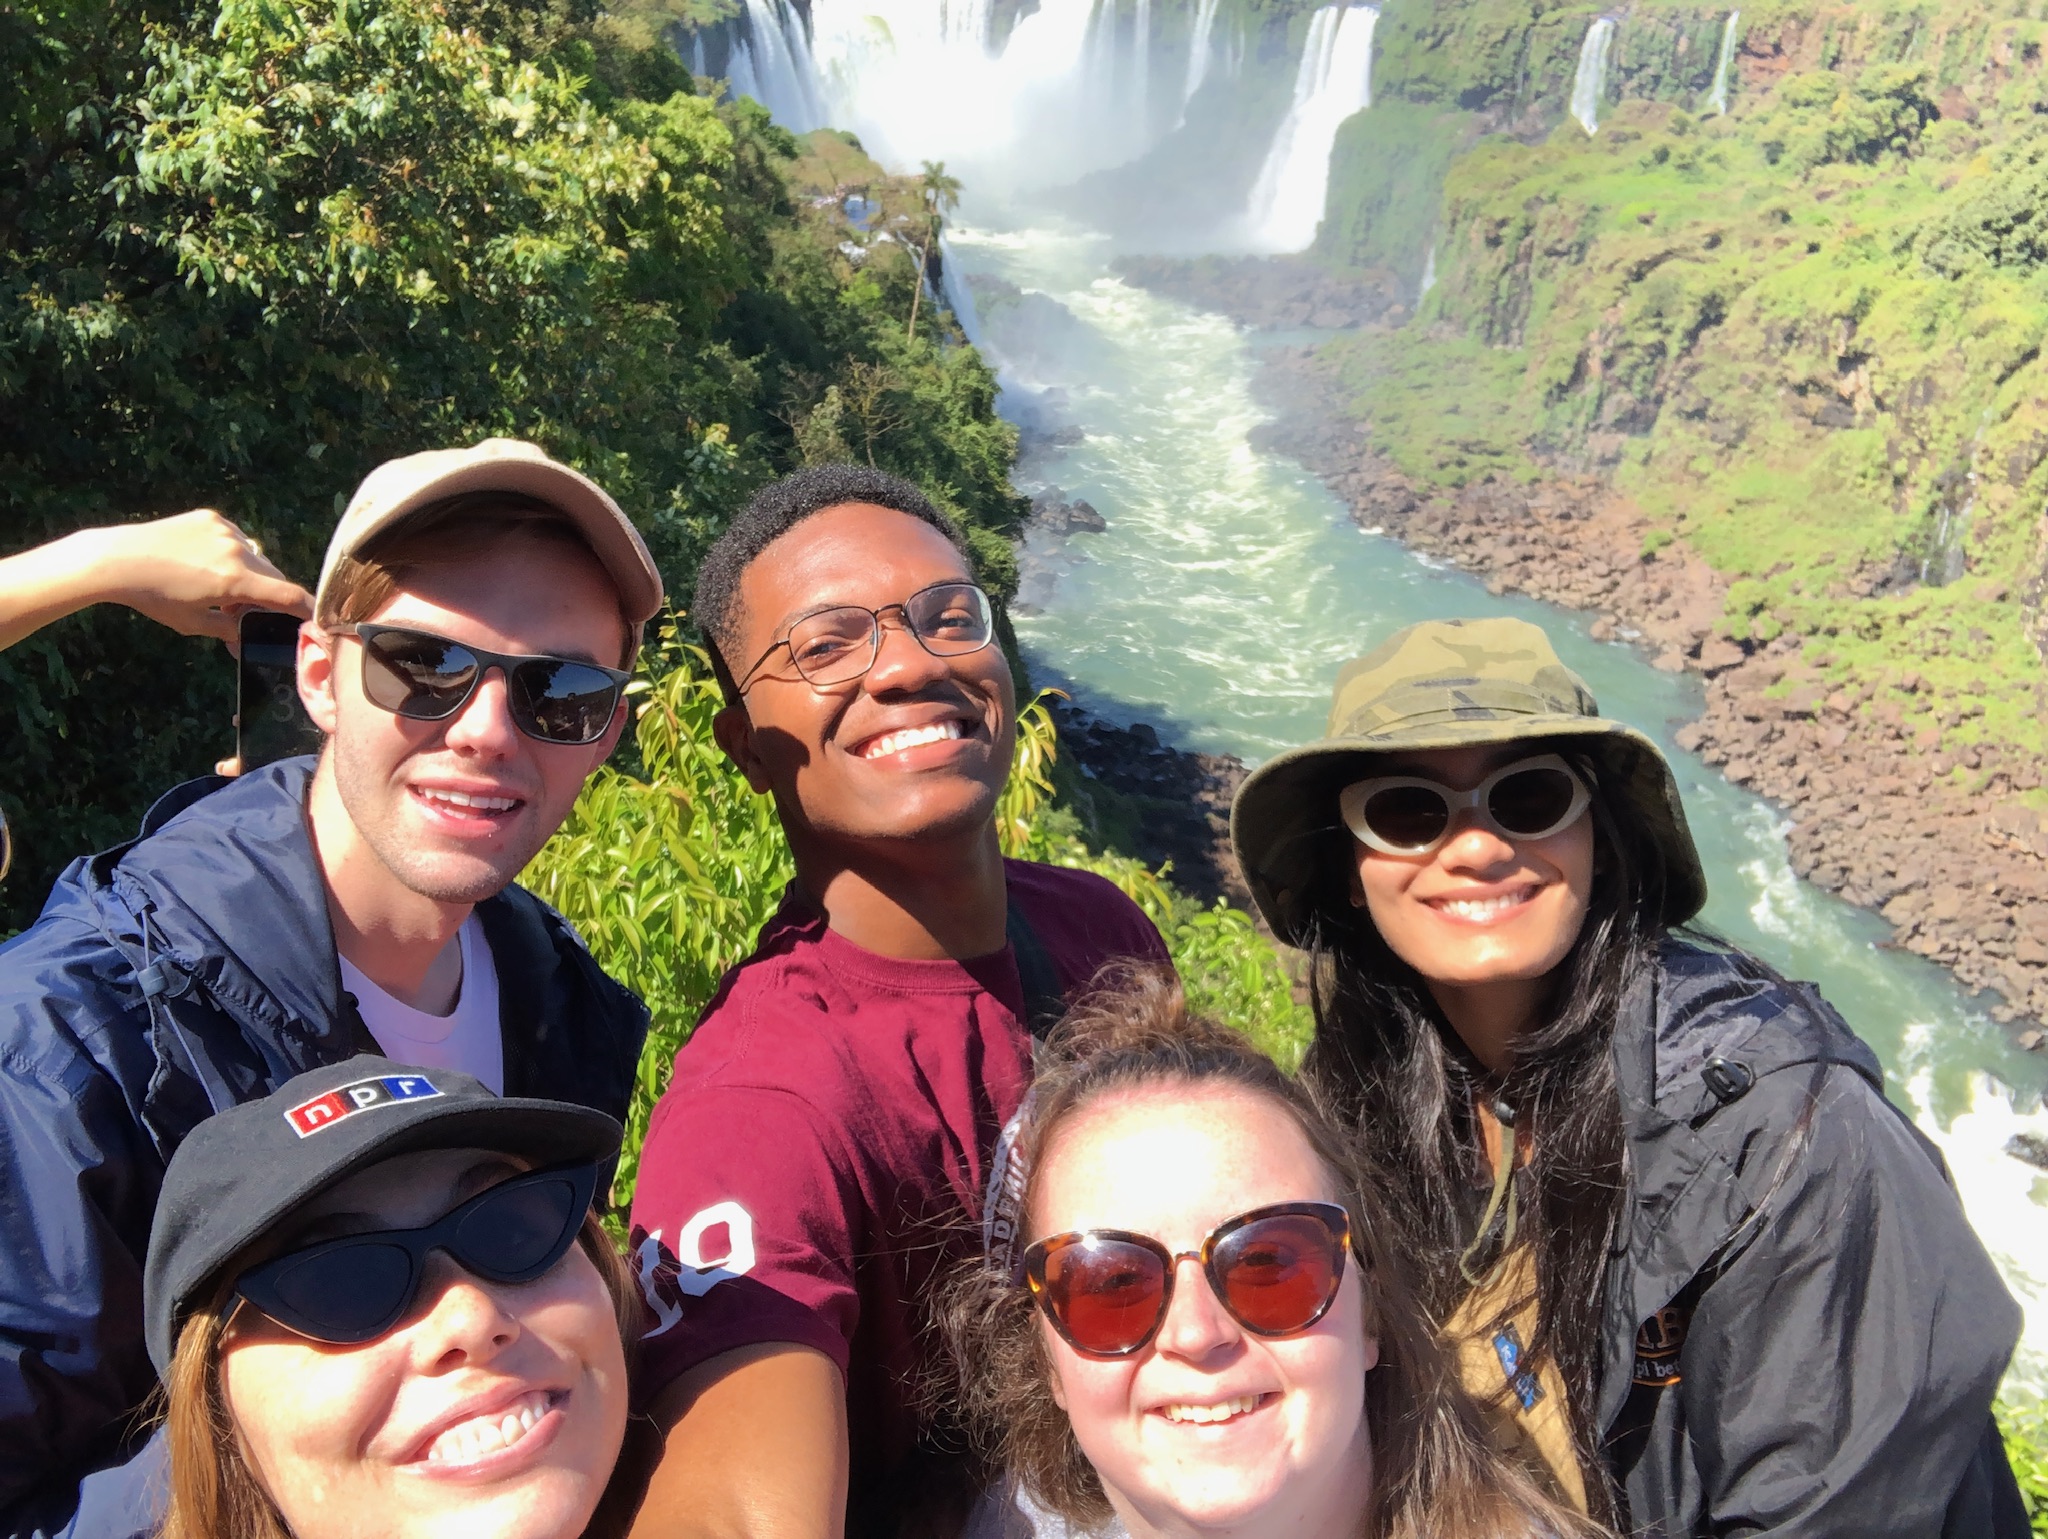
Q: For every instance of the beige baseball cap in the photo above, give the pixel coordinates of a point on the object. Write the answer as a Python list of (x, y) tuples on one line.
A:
[(401, 487)]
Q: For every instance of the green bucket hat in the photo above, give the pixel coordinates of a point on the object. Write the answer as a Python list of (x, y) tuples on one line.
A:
[(1440, 684)]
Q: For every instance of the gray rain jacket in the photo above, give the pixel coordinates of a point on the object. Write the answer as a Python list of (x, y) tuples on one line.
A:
[(1803, 1332)]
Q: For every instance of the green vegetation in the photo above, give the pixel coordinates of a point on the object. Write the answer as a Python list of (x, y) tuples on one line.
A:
[(668, 872), (250, 248), (1804, 337), (2025, 1426)]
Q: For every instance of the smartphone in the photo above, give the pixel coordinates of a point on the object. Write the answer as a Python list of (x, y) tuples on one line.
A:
[(270, 723)]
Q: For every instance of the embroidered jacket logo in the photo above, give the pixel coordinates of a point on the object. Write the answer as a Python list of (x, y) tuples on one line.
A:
[(309, 1117), (1658, 1343)]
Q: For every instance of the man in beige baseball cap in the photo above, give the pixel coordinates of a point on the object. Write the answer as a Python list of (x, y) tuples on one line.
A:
[(476, 616)]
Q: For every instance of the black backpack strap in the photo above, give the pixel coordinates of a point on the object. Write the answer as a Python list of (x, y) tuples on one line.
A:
[(1044, 1002)]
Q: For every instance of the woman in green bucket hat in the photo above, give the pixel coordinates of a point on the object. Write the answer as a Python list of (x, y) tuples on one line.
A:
[(1707, 1278)]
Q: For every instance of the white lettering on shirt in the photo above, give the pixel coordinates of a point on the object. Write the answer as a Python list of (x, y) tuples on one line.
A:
[(701, 1274)]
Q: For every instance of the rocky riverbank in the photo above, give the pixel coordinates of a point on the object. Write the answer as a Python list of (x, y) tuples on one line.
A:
[(1958, 866), (1168, 803)]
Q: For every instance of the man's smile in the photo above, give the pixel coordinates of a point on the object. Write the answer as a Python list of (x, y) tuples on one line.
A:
[(900, 738)]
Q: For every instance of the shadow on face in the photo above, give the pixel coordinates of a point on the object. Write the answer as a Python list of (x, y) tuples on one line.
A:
[(493, 1410), (916, 748)]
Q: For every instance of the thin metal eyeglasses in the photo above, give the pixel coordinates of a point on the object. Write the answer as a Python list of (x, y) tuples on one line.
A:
[(840, 644)]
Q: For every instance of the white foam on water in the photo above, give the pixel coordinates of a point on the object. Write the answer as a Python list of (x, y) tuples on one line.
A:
[(2006, 1198), (779, 72), (1066, 93)]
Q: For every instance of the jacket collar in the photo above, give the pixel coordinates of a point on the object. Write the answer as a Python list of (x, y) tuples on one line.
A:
[(1697, 1019), (228, 893)]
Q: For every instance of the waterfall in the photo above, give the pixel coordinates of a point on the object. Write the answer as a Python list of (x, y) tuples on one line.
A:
[(959, 298), (1064, 94), (739, 72), (1428, 274), (1591, 81), (1718, 97), (1198, 54), (1333, 82), (1141, 64), (697, 54), (774, 66)]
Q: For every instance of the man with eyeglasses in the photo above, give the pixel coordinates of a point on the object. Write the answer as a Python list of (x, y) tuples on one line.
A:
[(835, 1125), (475, 618)]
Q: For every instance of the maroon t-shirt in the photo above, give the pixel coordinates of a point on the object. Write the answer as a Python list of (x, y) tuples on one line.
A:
[(812, 1168)]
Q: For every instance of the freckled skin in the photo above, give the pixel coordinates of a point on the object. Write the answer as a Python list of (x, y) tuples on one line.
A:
[(1172, 1161), (335, 1434)]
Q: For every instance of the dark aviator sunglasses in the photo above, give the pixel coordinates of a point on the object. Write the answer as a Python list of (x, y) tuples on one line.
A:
[(424, 677), (1275, 1269), (354, 1289)]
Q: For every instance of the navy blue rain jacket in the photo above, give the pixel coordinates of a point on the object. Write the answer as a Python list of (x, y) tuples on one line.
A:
[(187, 971), (1804, 1334)]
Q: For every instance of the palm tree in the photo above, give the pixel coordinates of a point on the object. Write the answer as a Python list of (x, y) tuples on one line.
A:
[(938, 192)]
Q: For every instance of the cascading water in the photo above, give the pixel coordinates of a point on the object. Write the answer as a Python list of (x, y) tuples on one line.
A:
[(1723, 63), (1333, 82), (1589, 85), (1229, 584), (1198, 54), (1141, 63), (774, 66), (1428, 274), (697, 55), (917, 80), (959, 298)]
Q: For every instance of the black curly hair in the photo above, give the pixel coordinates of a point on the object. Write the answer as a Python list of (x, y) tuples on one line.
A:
[(771, 513)]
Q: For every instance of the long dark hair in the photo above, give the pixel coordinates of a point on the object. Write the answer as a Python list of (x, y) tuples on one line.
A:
[(1435, 1474), (1410, 1084)]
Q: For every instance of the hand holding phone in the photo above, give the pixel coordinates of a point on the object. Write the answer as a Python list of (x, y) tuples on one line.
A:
[(270, 722)]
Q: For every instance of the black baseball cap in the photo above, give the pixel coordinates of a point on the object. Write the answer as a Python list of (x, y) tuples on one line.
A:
[(241, 1172)]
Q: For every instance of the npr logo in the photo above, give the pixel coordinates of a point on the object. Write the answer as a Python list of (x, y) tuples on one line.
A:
[(309, 1117)]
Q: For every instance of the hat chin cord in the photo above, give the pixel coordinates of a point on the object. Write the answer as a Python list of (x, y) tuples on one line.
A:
[(1502, 1197)]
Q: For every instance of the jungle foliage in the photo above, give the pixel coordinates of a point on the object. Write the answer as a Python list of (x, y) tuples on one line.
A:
[(249, 249), (1804, 336)]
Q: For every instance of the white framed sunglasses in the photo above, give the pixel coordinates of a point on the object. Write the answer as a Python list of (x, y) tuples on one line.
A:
[(1531, 798)]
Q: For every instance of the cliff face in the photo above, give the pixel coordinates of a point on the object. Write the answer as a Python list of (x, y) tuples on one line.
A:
[(1797, 343)]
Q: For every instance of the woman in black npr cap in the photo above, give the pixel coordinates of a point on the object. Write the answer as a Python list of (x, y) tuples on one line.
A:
[(1708, 1279), (380, 1305)]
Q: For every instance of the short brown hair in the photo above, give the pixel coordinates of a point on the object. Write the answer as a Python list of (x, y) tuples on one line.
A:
[(1435, 1474), (441, 534), (214, 1494)]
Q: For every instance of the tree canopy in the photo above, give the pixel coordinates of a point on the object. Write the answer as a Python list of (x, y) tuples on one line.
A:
[(250, 249)]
